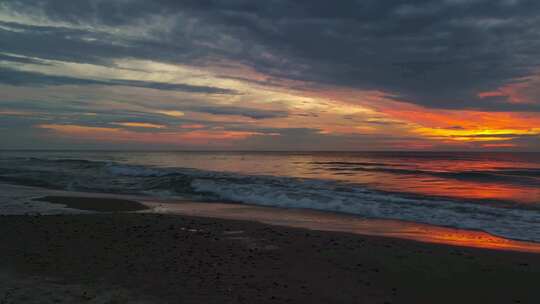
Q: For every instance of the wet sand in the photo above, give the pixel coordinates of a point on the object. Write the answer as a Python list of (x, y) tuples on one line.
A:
[(152, 258), (92, 204), (340, 222)]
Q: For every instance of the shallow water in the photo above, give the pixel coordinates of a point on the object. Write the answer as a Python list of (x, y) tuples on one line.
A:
[(494, 192)]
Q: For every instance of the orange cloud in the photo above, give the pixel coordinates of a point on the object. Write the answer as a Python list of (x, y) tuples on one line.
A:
[(465, 125), (525, 90), (192, 126), (193, 137), (171, 113), (139, 125), (17, 113), (81, 130)]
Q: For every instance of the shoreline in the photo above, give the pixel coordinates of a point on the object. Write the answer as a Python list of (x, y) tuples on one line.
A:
[(339, 222), (288, 217), (190, 259)]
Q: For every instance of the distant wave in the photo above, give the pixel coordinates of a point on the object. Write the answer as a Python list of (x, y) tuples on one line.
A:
[(507, 175), (288, 192)]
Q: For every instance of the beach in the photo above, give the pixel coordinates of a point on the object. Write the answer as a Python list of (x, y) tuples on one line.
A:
[(120, 257), (209, 152)]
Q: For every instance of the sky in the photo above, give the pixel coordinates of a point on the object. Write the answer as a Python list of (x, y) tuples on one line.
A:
[(270, 75)]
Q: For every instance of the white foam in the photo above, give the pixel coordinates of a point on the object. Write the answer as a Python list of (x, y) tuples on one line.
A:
[(287, 192), (509, 223)]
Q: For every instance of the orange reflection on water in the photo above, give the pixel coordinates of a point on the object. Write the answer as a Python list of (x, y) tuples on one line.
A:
[(325, 221), (465, 179), (469, 177), (444, 187), (471, 190), (457, 237)]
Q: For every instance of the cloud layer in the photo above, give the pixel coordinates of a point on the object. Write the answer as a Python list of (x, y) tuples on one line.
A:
[(351, 70)]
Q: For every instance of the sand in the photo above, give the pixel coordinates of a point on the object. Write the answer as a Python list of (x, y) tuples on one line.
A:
[(348, 223), (48, 290), (92, 204), (152, 258)]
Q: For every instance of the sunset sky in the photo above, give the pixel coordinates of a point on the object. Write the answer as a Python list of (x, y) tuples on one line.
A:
[(270, 75)]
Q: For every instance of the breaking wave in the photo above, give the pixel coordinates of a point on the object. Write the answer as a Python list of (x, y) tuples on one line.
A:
[(286, 192)]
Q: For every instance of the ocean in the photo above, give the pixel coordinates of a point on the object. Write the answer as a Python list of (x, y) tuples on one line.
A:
[(498, 193)]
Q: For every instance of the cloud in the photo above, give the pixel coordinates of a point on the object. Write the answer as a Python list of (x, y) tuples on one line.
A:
[(437, 54), (20, 59), (192, 126), (139, 125), (241, 111), (22, 78), (184, 138), (441, 57), (171, 113)]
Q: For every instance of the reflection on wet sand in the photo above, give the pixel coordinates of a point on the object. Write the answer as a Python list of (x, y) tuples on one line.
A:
[(325, 221)]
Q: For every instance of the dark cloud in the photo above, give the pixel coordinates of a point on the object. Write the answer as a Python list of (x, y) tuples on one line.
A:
[(20, 78), (61, 43), (10, 58), (247, 112), (438, 54), (310, 139), (171, 86), (83, 113)]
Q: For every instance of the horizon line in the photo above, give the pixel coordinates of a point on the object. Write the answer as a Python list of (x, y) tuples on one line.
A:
[(266, 151)]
